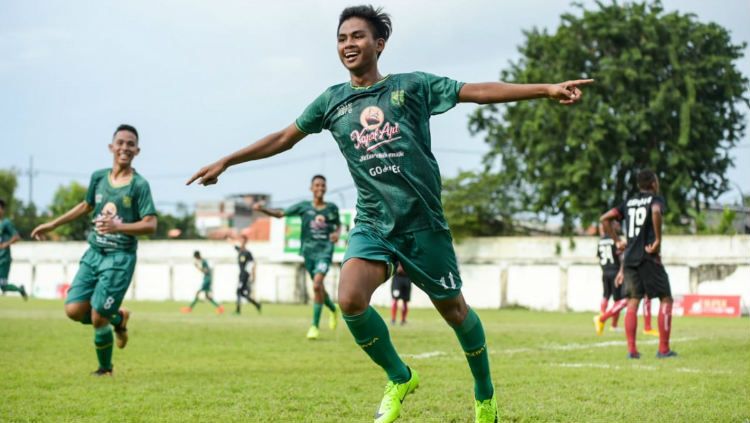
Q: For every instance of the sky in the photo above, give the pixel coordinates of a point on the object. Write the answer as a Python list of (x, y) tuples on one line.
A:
[(200, 79)]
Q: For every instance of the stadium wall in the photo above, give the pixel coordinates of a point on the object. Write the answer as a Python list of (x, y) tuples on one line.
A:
[(542, 273)]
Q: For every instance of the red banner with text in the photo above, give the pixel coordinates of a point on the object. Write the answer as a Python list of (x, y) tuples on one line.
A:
[(707, 305)]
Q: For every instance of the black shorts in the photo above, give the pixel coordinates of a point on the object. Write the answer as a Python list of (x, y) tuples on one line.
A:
[(648, 278), (243, 287), (608, 283), (401, 288)]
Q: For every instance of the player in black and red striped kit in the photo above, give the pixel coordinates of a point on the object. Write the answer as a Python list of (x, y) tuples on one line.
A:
[(643, 271)]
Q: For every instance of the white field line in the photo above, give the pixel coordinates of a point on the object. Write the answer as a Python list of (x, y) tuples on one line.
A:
[(430, 354), (636, 367), (575, 347)]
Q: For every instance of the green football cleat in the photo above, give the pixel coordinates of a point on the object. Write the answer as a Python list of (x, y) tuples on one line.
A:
[(486, 411), (333, 318), (313, 333), (390, 406)]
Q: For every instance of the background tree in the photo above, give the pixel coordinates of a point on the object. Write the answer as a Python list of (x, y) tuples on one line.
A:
[(667, 97), (8, 185), (66, 197)]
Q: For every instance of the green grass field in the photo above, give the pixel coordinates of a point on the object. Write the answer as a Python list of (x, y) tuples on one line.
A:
[(204, 367)]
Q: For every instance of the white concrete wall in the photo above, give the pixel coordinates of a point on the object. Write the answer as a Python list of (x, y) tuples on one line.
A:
[(544, 273)]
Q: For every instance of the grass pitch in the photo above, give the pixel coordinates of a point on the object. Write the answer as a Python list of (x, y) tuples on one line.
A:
[(204, 367)]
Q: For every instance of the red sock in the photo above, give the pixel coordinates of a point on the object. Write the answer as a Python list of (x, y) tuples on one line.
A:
[(647, 314), (404, 311), (631, 326), (615, 319), (394, 307), (603, 305), (665, 326), (616, 307)]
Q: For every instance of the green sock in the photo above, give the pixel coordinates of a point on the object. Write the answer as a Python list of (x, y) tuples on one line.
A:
[(471, 336), (317, 309), (331, 306), (195, 301), (10, 288), (371, 333), (213, 302), (116, 319), (103, 340)]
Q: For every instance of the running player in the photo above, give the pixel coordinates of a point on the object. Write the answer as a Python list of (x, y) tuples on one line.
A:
[(321, 227), (400, 290), (202, 265), (643, 270), (244, 259), (8, 237), (121, 201), (381, 126), (609, 259)]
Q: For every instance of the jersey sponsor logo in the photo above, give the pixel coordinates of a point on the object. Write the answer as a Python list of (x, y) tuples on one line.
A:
[(635, 202), (375, 130), (379, 170), (397, 97), (367, 157), (98, 198), (319, 222)]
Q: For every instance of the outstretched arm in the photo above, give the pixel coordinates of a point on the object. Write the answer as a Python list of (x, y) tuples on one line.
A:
[(81, 209), (267, 146), (567, 92), (271, 212)]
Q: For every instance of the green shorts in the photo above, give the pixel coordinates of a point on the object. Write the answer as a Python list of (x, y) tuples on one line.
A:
[(206, 284), (102, 279), (317, 264), (427, 257)]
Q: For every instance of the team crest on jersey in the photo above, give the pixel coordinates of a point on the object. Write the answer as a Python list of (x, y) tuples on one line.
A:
[(127, 201), (98, 198), (376, 131)]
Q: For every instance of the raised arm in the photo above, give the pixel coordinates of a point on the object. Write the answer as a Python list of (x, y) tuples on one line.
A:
[(567, 92), (81, 209), (278, 213), (267, 146)]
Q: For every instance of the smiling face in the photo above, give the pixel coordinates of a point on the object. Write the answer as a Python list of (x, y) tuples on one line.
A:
[(318, 188), (124, 147), (358, 49)]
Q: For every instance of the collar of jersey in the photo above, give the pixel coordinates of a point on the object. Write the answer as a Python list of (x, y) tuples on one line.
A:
[(109, 181), (369, 86)]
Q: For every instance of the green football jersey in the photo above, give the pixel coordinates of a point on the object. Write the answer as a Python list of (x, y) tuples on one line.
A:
[(383, 132), (7, 231), (317, 226), (127, 203)]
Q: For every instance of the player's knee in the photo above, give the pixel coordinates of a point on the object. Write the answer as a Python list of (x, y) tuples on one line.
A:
[(75, 311), (352, 304)]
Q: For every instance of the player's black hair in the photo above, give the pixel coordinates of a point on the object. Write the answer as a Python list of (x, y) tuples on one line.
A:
[(2, 204), (197, 254), (379, 21), (645, 178), (126, 127), (318, 177)]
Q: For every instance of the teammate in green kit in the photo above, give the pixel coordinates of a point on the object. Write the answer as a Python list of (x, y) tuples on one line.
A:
[(8, 237), (202, 265), (123, 209), (381, 126), (321, 227)]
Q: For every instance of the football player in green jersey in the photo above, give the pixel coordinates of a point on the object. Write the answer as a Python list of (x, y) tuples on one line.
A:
[(321, 227), (8, 237), (202, 265), (123, 209), (381, 126)]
